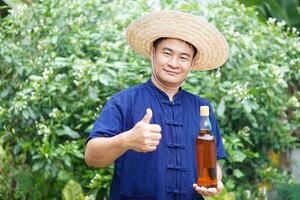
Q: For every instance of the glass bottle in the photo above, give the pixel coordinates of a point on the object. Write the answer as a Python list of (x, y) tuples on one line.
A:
[(206, 152)]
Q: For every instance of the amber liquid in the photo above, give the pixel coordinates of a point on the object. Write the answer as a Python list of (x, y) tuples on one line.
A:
[(206, 159)]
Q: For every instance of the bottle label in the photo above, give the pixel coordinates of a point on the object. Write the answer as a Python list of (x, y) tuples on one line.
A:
[(206, 137)]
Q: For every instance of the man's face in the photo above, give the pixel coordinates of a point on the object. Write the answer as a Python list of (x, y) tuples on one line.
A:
[(172, 61)]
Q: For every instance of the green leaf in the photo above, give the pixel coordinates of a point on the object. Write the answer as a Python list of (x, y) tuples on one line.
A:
[(72, 191), (38, 166), (24, 181), (249, 105), (237, 173), (238, 156), (104, 79), (4, 93), (221, 108), (230, 184), (93, 93), (68, 131), (67, 160), (64, 175), (293, 102)]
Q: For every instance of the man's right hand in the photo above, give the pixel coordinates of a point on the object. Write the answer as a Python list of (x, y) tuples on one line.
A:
[(144, 137)]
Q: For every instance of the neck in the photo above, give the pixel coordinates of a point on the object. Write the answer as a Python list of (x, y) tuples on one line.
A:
[(170, 91)]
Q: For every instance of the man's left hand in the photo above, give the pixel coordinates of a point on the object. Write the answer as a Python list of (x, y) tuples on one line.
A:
[(209, 191)]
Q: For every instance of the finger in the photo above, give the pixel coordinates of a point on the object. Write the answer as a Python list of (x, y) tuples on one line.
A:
[(155, 136), (199, 189), (150, 148), (203, 191), (148, 116), (212, 191), (220, 186), (155, 128), (196, 187), (153, 143)]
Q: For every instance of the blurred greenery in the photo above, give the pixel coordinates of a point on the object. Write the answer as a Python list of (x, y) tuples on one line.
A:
[(282, 10), (61, 60), (288, 192)]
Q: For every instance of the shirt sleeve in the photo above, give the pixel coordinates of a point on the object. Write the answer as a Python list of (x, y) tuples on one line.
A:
[(109, 122), (216, 131)]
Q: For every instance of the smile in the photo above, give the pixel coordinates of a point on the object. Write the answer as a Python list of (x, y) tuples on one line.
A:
[(170, 72)]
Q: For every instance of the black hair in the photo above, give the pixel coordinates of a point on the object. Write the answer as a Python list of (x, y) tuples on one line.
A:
[(159, 40)]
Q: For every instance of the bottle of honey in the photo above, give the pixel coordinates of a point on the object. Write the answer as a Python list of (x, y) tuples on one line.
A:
[(206, 152)]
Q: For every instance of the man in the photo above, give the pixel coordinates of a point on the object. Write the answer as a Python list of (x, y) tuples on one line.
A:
[(150, 130)]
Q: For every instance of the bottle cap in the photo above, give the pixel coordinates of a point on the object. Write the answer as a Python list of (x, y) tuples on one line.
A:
[(204, 111)]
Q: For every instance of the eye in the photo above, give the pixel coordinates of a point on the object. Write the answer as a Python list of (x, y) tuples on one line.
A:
[(167, 53), (183, 58)]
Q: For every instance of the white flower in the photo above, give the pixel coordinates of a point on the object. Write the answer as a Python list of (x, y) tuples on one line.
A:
[(70, 22), (236, 34), (76, 82), (32, 95), (294, 30), (218, 74), (55, 29), (54, 113), (271, 20), (248, 194), (46, 73), (292, 62), (240, 92), (42, 129), (281, 24), (73, 41), (1, 110)]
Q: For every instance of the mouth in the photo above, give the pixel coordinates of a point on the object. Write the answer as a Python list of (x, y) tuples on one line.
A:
[(171, 72)]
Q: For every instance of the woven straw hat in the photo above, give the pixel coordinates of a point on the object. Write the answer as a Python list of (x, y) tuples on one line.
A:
[(212, 48)]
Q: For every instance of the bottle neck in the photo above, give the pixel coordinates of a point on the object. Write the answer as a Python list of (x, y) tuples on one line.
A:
[(205, 123)]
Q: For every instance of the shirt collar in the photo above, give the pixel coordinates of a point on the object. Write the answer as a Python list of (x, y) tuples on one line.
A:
[(163, 95)]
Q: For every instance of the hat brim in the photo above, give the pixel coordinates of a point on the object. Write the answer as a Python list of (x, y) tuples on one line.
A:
[(212, 48)]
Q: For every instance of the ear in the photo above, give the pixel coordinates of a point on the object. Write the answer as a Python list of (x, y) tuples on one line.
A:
[(193, 62), (151, 51)]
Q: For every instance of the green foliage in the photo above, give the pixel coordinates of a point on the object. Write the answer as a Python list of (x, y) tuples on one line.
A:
[(282, 10), (289, 192), (61, 60)]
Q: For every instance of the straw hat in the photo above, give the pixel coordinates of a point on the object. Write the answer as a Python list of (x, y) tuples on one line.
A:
[(212, 48)]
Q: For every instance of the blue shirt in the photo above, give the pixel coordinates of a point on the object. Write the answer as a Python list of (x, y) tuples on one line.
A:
[(168, 173)]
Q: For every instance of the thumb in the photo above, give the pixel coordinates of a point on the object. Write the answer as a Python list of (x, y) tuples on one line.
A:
[(148, 116)]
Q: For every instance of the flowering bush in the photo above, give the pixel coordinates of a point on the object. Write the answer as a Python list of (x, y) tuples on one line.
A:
[(61, 60)]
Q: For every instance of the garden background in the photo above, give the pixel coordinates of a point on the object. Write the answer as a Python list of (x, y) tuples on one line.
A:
[(61, 60)]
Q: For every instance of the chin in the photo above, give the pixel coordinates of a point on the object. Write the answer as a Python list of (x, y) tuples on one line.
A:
[(172, 83)]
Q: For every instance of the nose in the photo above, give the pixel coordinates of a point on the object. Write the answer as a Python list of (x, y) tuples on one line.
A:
[(173, 62)]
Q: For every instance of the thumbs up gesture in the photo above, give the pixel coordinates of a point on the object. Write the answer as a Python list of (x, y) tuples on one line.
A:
[(144, 137)]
